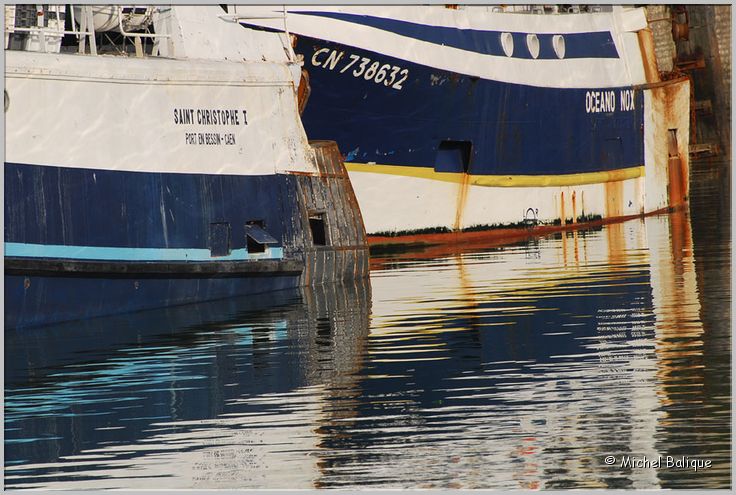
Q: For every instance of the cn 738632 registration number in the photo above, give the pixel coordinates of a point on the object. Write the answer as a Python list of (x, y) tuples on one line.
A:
[(389, 75)]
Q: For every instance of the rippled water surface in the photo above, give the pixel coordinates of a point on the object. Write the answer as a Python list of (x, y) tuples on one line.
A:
[(520, 366)]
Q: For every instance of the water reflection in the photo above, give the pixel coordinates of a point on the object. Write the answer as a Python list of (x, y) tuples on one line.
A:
[(519, 366), (206, 395)]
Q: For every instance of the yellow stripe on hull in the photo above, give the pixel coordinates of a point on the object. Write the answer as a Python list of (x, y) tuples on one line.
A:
[(502, 180)]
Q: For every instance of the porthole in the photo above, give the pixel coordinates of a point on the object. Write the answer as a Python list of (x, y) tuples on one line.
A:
[(507, 42), (558, 43), (532, 42)]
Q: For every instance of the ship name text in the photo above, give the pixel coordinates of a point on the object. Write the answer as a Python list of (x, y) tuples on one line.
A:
[(210, 117), (389, 75), (207, 116), (609, 101)]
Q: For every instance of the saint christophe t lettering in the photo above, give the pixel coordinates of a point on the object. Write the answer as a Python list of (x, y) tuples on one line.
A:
[(206, 116), (210, 117)]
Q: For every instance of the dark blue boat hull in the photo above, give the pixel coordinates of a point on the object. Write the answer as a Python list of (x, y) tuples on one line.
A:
[(39, 300), (514, 129), (143, 217)]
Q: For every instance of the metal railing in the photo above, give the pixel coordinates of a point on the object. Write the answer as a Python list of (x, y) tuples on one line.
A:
[(86, 29)]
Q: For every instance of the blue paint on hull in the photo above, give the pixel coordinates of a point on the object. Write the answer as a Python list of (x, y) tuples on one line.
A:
[(45, 300), (514, 129), (59, 209), (85, 207)]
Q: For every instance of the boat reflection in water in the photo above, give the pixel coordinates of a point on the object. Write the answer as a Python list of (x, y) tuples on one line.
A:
[(210, 394), (519, 366), (585, 346)]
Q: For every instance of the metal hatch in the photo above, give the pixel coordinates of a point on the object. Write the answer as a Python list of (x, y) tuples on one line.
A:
[(258, 234)]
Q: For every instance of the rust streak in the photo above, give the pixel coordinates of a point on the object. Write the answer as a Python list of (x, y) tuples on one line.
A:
[(673, 100), (304, 91), (462, 196), (562, 207), (661, 84), (614, 199), (305, 174), (617, 253), (646, 46), (676, 182)]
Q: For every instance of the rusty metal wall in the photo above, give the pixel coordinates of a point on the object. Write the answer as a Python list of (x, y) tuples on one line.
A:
[(329, 195), (667, 162), (701, 49)]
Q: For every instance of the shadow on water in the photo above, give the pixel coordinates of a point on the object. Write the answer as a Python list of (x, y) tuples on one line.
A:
[(520, 366)]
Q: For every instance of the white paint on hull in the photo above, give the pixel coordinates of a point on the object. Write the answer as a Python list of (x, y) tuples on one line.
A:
[(626, 70), (117, 112), (399, 203)]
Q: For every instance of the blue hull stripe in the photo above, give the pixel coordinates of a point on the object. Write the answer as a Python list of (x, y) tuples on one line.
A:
[(131, 254), (577, 45), (512, 129), (174, 213)]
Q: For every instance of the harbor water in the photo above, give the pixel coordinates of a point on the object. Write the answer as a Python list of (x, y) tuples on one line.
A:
[(588, 359)]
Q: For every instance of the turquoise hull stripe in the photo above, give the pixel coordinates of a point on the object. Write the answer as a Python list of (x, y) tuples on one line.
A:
[(132, 254)]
